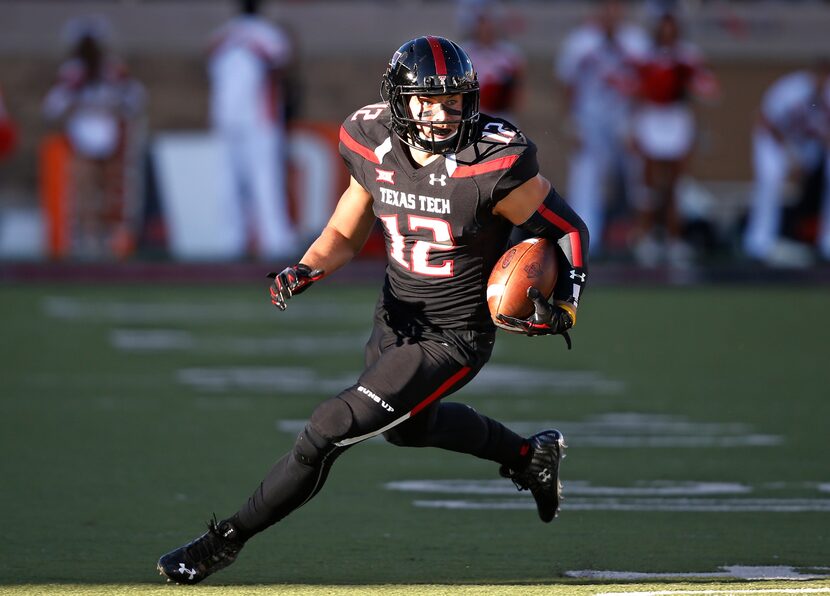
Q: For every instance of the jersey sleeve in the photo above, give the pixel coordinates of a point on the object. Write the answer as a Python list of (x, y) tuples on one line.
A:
[(784, 98), (523, 169), (59, 97), (275, 46), (557, 221), (354, 149)]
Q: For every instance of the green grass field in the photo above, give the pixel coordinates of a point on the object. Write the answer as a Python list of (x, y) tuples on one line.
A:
[(697, 421)]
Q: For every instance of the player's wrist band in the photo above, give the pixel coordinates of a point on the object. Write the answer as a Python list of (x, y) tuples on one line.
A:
[(569, 308)]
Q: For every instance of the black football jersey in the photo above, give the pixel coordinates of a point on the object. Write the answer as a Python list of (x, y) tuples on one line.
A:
[(442, 238)]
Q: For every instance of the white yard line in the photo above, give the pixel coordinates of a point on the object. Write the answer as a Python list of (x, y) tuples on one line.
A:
[(140, 311), (649, 432), (166, 340), (648, 505), (308, 380), (573, 488), (648, 496)]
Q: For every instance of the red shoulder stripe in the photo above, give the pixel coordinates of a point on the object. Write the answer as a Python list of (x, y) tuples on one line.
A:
[(493, 165), (570, 232), (349, 142)]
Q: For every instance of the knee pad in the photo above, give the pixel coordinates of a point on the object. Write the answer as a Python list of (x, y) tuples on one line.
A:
[(330, 422)]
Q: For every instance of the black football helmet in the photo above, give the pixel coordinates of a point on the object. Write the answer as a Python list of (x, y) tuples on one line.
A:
[(431, 65)]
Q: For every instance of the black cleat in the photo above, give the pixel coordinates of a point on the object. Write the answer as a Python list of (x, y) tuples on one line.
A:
[(541, 476), (214, 550)]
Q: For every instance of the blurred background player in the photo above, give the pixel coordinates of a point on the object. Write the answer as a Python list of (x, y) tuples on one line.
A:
[(790, 143), (247, 62), (8, 130), (8, 140), (595, 66), (98, 106), (500, 64), (670, 74)]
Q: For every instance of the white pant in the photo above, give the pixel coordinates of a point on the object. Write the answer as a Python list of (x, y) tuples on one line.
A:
[(254, 191), (664, 131), (772, 164), (589, 169)]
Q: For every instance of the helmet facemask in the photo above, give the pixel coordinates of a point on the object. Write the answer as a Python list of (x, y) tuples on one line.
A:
[(445, 136), (413, 72)]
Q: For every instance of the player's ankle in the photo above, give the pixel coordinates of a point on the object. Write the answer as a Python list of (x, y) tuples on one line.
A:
[(240, 533)]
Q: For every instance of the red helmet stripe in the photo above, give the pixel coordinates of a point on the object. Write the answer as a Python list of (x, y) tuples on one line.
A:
[(438, 56)]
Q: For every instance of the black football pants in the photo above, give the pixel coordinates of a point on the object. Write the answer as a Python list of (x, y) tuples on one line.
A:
[(397, 395)]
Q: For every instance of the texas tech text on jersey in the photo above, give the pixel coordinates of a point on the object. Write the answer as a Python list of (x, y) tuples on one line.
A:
[(442, 245)]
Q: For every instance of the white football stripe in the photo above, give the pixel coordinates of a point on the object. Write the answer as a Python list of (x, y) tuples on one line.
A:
[(495, 290)]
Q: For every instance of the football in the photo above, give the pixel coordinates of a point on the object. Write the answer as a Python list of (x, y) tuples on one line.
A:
[(531, 262)]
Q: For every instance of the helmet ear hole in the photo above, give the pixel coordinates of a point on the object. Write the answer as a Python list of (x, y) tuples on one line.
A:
[(385, 87)]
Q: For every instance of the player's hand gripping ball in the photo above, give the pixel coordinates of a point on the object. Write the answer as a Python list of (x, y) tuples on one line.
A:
[(528, 264), (519, 288)]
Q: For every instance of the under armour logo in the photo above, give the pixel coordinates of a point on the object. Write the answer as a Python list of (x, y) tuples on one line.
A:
[(579, 276), (442, 179), (545, 475), (190, 573)]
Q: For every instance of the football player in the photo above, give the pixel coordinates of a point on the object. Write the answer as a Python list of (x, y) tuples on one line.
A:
[(500, 65), (594, 66), (248, 63), (448, 184), (789, 143)]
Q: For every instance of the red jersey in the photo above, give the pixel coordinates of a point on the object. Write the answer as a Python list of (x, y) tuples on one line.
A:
[(673, 74)]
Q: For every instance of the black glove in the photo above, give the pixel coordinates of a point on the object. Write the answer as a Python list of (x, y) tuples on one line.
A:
[(547, 319), (290, 281)]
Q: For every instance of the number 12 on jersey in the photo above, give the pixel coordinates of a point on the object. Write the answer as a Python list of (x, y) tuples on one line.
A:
[(418, 258)]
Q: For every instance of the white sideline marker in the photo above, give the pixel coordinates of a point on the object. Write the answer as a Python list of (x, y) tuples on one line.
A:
[(742, 572)]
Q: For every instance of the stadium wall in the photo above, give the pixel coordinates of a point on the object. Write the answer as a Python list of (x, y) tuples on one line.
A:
[(343, 51)]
